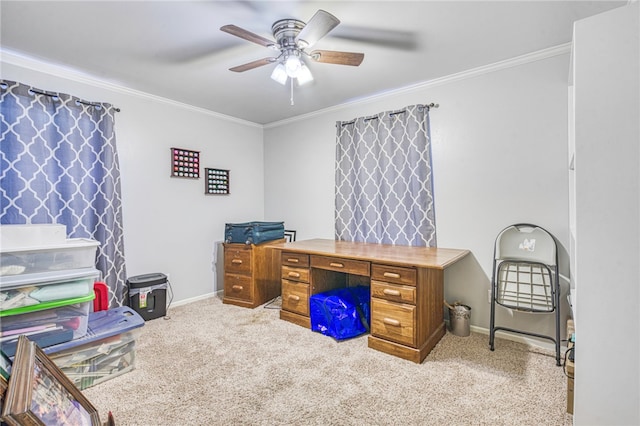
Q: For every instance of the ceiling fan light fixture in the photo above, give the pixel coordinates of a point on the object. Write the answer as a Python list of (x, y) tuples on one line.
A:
[(304, 75), (293, 64), (279, 74)]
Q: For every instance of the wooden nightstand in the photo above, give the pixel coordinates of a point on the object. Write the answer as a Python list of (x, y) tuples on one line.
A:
[(251, 274)]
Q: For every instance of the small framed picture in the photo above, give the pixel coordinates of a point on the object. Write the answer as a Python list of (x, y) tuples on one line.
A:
[(216, 182), (290, 235), (185, 163), (5, 372), (39, 393)]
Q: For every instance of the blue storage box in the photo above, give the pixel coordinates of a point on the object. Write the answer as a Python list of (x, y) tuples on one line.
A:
[(105, 352), (342, 313)]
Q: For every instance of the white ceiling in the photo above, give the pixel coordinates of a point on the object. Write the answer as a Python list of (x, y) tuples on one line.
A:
[(174, 49)]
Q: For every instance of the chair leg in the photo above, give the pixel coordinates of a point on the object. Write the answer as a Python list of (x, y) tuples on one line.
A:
[(558, 323), (492, 331)]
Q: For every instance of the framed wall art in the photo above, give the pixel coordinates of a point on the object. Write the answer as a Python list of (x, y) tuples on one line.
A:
[(185, 163), (216, 181), (39, 393)]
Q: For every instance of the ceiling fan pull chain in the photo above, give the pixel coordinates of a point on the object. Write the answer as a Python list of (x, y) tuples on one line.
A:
[(291, 91)]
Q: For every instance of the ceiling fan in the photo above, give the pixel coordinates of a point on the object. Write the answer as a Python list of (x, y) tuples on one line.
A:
[(292, 38)]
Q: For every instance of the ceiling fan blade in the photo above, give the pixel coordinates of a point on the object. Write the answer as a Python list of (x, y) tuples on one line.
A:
[(248, 35), (340, 58), (318, 26), (396, 39), (254, 64)]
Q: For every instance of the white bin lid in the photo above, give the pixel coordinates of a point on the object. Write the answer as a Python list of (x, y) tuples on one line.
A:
[(46, 278), (69, 243)]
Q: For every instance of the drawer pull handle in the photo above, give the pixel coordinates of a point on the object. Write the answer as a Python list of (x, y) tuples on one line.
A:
[(294, 297), (294, 274), (237, 288), (236, 261), (336, 265), (391, 321), (391, 275), (390, 292), (293, 260)]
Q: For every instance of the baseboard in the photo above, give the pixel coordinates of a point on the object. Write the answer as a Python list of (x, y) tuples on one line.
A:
[(520, 338), (195, 299)]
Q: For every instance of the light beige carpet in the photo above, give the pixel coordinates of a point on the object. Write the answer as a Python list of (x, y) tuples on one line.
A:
[(216, 364)]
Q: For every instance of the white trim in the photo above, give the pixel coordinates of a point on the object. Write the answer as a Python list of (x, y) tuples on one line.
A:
[(520, 338), (18, 59), (21, 60), (474, 72), (515, 337), (196, 299)]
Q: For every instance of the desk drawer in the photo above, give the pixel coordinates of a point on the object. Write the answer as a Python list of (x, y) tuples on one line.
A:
[(295, 274), (295, 259), (295, 297), (237, 259), (355, 267), (393, 321), (393, 292), (393, 274), (238, 287)]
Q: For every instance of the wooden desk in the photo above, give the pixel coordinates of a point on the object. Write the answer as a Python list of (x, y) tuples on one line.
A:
[(407, 288)]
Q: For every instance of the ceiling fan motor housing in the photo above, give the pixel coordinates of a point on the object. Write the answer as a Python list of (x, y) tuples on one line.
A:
[(285, 32)]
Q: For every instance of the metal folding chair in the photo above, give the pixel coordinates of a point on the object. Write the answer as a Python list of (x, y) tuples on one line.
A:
[(525, 277)]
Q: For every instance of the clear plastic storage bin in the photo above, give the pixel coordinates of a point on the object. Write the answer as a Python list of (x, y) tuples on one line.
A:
[(46, 323), (106, 351), (31, 289), (74, 253)]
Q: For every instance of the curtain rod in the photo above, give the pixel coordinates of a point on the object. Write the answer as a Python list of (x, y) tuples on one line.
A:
[(428, 106), (80, 101)]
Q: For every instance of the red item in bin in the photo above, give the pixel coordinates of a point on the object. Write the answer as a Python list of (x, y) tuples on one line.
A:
[(101, 302), (73, 323)]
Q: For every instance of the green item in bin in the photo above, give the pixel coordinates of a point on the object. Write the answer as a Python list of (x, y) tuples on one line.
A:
[(47, 305)]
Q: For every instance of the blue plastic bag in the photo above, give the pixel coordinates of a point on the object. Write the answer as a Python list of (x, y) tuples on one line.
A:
[(342, 313)]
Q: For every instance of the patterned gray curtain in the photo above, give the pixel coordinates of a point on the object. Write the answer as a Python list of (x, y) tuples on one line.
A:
[(59, 165), (384, 188)]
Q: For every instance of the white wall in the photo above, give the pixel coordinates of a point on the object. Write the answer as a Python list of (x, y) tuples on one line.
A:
[(499, 157), (607, 143), (499, 150), (170, 226)]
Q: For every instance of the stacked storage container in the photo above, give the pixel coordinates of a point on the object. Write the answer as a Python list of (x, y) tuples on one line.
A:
[(46, 292), (106, 351), (46, 285)]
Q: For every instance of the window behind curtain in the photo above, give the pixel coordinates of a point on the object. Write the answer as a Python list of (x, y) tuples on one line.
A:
[(384, 188), (59, 164)]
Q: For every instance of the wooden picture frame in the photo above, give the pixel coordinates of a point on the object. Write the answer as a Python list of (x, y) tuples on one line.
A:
[(185, 163), (216, 181), (5, 372), (40, 394)]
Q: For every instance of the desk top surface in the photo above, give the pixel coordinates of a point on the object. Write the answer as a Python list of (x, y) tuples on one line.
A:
[(426, 257)]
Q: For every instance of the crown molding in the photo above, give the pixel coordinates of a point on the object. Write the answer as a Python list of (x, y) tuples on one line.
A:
[(17, 59), (24, 61), (474, 72)]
